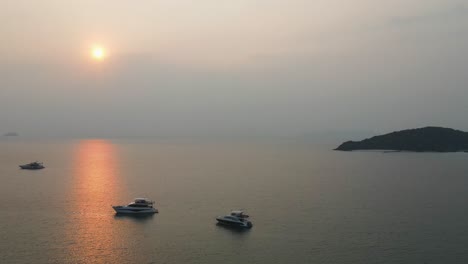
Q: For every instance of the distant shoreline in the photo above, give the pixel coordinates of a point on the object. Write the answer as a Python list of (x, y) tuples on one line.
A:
[(426, 139), (10, 134)]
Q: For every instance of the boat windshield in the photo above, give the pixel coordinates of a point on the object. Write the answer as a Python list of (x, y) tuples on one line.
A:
[(139, 205)]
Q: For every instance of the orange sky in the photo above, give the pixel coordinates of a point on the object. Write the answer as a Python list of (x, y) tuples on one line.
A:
[(232, 67)]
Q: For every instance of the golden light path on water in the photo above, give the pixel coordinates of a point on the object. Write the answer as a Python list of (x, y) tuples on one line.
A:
[(96, 184)]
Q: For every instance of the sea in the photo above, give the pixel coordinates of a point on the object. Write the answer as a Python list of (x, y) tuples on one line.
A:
[(307, 203)]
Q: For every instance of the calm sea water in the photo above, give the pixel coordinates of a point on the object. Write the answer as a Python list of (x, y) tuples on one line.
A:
[(308, 204)]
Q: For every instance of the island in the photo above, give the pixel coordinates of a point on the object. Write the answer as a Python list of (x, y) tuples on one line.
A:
[(426, 139), (10, 134)]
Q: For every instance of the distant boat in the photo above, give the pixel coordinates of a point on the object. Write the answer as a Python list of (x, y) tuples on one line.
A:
[(32, 166), (235, 219), (138, 206), (11, 134)]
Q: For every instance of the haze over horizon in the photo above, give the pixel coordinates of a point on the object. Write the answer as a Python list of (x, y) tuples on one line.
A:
[(232, 67)]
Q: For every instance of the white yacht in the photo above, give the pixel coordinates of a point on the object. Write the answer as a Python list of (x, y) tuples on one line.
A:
[(138, 206), (236, 219), (32, 166)]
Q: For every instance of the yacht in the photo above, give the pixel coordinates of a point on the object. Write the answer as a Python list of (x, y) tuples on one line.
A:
[(32, 166), (138, 206), (236, 219)]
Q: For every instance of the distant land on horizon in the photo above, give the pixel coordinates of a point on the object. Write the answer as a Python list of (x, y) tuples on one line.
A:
[(10, 134), (426, 139)]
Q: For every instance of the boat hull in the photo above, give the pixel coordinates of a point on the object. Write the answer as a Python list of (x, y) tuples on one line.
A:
[(134, 210), (26, 167), (245, 224)]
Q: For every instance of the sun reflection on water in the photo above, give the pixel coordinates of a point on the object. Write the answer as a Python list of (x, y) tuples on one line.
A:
[(96, 184), (96, 178)]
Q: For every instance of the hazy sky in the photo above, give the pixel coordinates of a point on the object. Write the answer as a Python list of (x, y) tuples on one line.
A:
[(274, 67)]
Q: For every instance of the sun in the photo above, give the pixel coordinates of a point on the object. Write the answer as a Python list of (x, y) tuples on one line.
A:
[(98, 53)]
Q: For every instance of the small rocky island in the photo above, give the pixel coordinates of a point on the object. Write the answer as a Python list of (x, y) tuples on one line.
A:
[(427, 139)]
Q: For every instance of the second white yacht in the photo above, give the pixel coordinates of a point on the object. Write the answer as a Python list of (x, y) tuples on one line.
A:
[(138, 206), (235, 219)]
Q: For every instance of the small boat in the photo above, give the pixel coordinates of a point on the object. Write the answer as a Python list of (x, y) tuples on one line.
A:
[(235, 218), (138, 206), (32, 166)]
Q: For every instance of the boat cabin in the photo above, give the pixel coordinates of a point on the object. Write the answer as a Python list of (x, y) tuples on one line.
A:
[(239, 214), (141, 202)]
